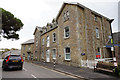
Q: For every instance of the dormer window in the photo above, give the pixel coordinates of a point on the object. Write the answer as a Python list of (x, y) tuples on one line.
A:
[(66, 16)]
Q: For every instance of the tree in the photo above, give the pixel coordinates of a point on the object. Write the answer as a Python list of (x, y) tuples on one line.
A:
[(10, 25)]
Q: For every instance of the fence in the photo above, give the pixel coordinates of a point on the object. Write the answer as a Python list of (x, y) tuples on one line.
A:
[(92, 63), (88, 63)]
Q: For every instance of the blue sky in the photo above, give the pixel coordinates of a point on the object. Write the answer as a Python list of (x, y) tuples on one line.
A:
[(38, 12)]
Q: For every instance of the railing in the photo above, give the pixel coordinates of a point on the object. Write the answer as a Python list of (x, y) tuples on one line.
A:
[(88, 63), (92, 63)]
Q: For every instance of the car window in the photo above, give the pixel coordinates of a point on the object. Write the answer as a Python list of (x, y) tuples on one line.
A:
[(15, 58), (7, 57)]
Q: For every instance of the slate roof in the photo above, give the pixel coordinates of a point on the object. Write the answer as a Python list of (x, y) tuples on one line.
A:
[(31, 41)]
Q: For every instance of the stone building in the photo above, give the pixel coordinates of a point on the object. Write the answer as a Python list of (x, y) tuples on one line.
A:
[(27, 49), (77, 33), (37, 41)]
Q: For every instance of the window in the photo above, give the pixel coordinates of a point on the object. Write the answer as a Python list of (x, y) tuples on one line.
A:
[(35, 54), (67, 53), (66, 32), (54, 53), (48, 41), (95, 18), (36, 43), (98, 55), (97, 33), (23, 54), (66, 15), (54, 37), (42, 55), (24, 47), (29, 47), (43, 40)]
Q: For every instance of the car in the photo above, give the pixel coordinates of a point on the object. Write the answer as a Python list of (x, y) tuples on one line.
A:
[(13, 61)]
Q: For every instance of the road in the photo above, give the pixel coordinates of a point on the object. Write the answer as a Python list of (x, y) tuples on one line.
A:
[(33, 71)]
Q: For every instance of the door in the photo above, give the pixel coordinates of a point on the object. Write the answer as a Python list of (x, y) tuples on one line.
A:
[(48, 56)]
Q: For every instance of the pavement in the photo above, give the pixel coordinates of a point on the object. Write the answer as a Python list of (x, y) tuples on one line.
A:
[(79, 72)]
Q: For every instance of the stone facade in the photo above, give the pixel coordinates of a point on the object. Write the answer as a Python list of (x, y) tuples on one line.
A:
[(36, 52), (81, 34), (27, 49)]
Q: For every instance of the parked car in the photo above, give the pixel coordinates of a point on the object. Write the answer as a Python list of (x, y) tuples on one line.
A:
[(13, 61)]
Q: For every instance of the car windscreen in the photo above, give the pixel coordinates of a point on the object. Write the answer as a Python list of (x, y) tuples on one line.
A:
[(15, 58)]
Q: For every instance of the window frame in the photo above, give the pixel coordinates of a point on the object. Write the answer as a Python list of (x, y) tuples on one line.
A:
[(53, 53), (67, 53), (54, 37), (97, 33), (36, 43), (65, 32), (43, 41), (48, 41), (95, 18), (42, 55), (66, 15)]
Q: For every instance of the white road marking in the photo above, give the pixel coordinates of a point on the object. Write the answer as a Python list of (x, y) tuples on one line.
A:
[(24, 69), (54, 70), (33, 76)]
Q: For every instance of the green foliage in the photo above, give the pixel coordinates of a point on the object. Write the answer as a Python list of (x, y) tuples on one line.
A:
[(10, 25)]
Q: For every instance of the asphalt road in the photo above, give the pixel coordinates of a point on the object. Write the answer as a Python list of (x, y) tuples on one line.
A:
[(33, 71)]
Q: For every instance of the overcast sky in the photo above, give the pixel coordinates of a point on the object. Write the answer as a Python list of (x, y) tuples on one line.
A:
[(38, 12)]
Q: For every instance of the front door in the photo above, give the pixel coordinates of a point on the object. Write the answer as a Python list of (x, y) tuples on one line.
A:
[(48, 56)]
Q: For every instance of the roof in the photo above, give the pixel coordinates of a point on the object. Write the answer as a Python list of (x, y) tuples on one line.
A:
[(80, 5), (37, 28), (12, 52), (31, 41)]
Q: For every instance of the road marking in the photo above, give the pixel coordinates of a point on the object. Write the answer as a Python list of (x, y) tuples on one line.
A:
[(34, 76), (24, 69), (54, 71)]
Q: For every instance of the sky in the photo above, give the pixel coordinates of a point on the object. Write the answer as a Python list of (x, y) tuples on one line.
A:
[(39, 12)]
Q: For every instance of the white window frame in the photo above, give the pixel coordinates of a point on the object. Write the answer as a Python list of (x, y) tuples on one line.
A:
[(54, 37), (29, 48), (95, 18), (43, 41), (67, 53), (66, 15), (54, 56), (48, 41), (65, 32), (42, 55), (97, 32), (36, 43)]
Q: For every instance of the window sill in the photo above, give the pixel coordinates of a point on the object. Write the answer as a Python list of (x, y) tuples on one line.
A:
[(54, 41), (68, 60), (66, 38), (98, 38), (54, 58)]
